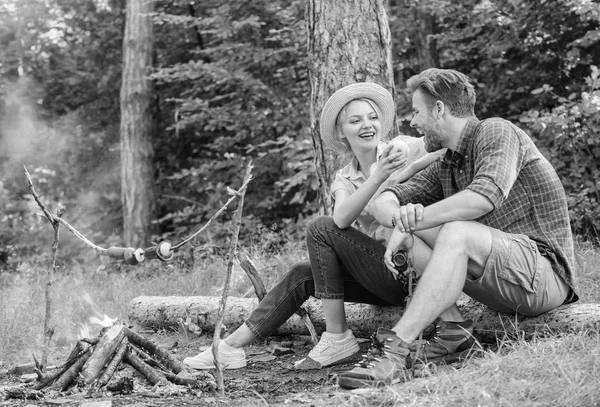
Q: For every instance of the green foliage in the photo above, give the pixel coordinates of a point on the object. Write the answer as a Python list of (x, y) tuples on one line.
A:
[(231, 85), (569, 134), (239, 93)]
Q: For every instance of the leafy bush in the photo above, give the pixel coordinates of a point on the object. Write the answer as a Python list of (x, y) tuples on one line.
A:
[(569, 135)]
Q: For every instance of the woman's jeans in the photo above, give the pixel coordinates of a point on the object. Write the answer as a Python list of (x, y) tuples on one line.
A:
[(344, 264)]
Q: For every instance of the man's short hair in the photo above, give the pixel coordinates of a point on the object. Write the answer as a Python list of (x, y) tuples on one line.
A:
[(450, 86)]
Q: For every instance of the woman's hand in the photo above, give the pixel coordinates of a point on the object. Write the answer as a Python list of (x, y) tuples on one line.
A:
[(393, 158), (398, 241)]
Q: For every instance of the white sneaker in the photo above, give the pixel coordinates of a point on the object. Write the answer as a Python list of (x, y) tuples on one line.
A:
[(331, 349), (230, 358)]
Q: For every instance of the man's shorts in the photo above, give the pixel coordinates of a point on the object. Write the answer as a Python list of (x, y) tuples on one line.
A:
[(517, 278)]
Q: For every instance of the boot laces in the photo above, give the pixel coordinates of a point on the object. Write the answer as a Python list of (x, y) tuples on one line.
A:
[(375, 351)]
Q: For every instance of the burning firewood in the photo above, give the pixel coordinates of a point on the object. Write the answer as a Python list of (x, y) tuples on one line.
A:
[(93, 363), (103, 352)]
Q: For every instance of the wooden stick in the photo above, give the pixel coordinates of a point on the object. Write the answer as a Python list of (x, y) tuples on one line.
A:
[(112, 366), (181, 381), (172, 364), (142, 367), (237, 221), (252, 273), (103, 352), (45, 379), (219, 212), (48, 330), (303, 313), (71, 374)]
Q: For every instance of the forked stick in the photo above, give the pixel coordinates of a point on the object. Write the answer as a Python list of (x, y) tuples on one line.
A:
[(237, 221)]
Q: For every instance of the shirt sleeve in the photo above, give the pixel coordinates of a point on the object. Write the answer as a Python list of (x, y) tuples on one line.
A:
[(424, 187), (496, 161), (340, 182)]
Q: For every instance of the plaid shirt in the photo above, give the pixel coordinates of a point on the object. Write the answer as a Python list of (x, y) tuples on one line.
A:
[(500, 161)]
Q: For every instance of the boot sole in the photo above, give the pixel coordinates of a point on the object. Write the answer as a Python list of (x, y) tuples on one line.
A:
[(355, 383), (447, 359)]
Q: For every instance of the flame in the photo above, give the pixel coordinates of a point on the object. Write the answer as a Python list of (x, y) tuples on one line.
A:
[(106, 321), (101, 319)]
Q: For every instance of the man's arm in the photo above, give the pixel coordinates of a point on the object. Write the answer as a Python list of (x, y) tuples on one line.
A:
[(464, 205)]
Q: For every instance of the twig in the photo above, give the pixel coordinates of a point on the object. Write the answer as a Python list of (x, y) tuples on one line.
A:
[(239, 193), (237, 220), (48, 330), (80, 236)]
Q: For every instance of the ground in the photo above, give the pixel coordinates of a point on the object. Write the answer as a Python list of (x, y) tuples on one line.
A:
[(267, 380)]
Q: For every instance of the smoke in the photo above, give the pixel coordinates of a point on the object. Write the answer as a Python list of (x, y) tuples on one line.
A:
[(19, 124), (69, 164)]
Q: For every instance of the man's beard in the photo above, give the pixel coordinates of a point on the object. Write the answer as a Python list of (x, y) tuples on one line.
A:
[(433, 138)]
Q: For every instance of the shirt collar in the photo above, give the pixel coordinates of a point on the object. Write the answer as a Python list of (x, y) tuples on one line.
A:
[(455, 157)]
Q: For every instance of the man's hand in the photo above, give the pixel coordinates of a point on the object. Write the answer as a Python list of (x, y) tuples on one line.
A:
[(405, 218), (398, 241)]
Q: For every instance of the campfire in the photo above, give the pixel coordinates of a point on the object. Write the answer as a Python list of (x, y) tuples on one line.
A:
[(91, 366)]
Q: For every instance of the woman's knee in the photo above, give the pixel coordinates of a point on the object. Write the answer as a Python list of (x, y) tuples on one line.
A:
[(300, 278), (318, 225)]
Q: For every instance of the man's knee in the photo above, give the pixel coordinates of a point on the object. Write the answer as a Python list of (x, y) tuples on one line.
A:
[(455, 233)]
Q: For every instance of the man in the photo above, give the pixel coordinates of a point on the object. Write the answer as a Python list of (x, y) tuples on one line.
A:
[(489, 219)]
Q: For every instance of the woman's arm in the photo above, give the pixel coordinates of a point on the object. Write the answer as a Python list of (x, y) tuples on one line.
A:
[(348, 206)]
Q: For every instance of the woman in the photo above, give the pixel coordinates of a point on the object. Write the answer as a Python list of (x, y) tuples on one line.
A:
[(354, 121)]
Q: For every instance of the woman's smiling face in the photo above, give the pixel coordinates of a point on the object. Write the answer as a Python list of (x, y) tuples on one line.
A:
[(360, 125)]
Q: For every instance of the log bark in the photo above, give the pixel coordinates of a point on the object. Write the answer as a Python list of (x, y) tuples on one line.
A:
[(67, 378), (138, 364), (171, 363), (164, 312), (112, 366), (103, 353)]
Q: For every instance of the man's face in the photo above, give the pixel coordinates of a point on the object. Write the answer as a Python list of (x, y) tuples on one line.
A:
[(426, 123)]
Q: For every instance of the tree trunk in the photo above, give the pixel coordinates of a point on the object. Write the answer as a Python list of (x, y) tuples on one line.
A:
[(363, 319), (348, 41), (425, 42), (138, 194)]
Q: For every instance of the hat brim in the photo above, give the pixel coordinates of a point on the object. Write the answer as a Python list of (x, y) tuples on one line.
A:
[(378, 94)]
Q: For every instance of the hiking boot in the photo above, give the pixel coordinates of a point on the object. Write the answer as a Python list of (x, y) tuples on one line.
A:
[(230, 358), (451, 342), (380, 369), (331, 349)]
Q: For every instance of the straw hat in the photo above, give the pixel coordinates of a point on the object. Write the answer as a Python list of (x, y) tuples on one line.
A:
[(378, 94)]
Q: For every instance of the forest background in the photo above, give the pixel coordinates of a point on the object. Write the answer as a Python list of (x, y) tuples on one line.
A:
[(231, 84)]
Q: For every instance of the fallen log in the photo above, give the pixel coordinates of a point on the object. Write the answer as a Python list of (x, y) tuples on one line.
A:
[(165, 312)]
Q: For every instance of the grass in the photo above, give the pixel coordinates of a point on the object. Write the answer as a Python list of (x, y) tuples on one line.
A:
[(558, 371)]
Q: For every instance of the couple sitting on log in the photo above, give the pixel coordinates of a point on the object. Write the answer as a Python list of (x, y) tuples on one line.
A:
[(483, 212)]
